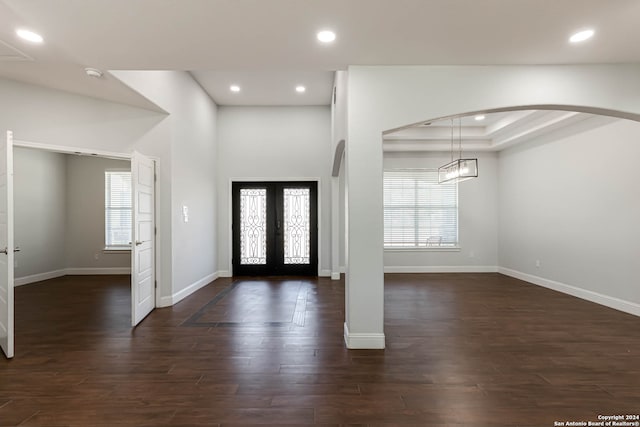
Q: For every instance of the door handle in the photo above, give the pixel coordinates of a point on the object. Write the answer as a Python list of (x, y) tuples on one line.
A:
[(17, 249), (138, 242), (4, 251)]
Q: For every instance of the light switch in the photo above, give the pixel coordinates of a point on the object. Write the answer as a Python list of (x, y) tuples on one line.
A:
[(185, 213)]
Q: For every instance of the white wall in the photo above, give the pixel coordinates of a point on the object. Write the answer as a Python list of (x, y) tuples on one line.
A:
[(54, 117), (573, 205), (274, 143), (39, 211), (339, 108), (342, 209), (191, 128), (338, 134), (85, 214), (477, 216)]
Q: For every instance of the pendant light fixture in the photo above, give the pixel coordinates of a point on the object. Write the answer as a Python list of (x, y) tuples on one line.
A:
[(460, 169)]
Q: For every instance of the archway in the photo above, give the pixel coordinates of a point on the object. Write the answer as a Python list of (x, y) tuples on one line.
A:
[(389, 98)]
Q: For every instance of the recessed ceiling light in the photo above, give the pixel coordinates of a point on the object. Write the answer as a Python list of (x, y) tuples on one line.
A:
[(326, 36), (581, 36), (29, 36), (479, 117), (234, 88), (300, 89)]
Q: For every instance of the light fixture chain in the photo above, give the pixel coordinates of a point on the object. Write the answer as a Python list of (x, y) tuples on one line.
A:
[(452, 139), (459, 137)]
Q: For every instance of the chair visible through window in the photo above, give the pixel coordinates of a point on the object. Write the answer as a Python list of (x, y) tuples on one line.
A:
[(434, 241)]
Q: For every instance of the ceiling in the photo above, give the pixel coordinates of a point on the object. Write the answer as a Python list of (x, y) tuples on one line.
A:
[(269, 47), (496, 132), (268, 87)]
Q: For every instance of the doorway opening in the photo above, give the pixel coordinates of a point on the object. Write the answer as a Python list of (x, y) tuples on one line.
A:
[(78, 214), (275, 228)]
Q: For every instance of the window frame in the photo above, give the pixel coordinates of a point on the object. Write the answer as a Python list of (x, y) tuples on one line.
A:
[(115, 248), (455, 247)]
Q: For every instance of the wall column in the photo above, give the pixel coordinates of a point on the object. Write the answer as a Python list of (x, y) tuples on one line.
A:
[(364, 325)]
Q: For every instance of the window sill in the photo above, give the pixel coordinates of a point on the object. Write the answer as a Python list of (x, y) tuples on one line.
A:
[(425, 249), (116, 249)]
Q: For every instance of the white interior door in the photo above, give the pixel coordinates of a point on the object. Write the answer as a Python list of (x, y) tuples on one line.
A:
[(143, 295), (6, 245)]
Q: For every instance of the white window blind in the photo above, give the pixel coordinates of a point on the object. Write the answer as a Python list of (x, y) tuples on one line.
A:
[(117, 191), (419, 212)]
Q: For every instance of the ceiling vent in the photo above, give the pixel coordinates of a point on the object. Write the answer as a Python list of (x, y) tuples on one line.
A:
[(10, 53)]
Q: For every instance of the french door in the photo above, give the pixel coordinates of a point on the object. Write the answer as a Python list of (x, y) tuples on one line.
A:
[(275, 228), (6, 245), (143, 292)]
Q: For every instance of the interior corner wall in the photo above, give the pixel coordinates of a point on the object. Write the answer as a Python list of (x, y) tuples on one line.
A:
[(40, 213), (477, 219), (573, 205), (264, 143), (85, 222), (56, 118), (192, 124)]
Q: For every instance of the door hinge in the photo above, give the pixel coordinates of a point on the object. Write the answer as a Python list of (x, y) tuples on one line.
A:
[(155, 230), (155, 178), (155, 284)]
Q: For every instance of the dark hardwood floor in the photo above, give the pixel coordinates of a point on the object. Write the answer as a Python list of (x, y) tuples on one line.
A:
[(462, 349)]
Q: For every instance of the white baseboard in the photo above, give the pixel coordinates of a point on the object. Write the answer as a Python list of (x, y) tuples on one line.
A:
[(335, 275), (19, 281), (164, 302), (97, 271), (608, 301), (324, 273), (224, 273), (182, 294), (442, 269), (25, 280), (366, 341), (343, 269)]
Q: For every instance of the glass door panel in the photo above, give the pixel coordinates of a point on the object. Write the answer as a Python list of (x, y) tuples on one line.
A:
[(297, 225), (253, 226)]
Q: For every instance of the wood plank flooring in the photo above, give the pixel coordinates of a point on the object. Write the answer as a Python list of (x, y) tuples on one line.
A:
[(462, 349)]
